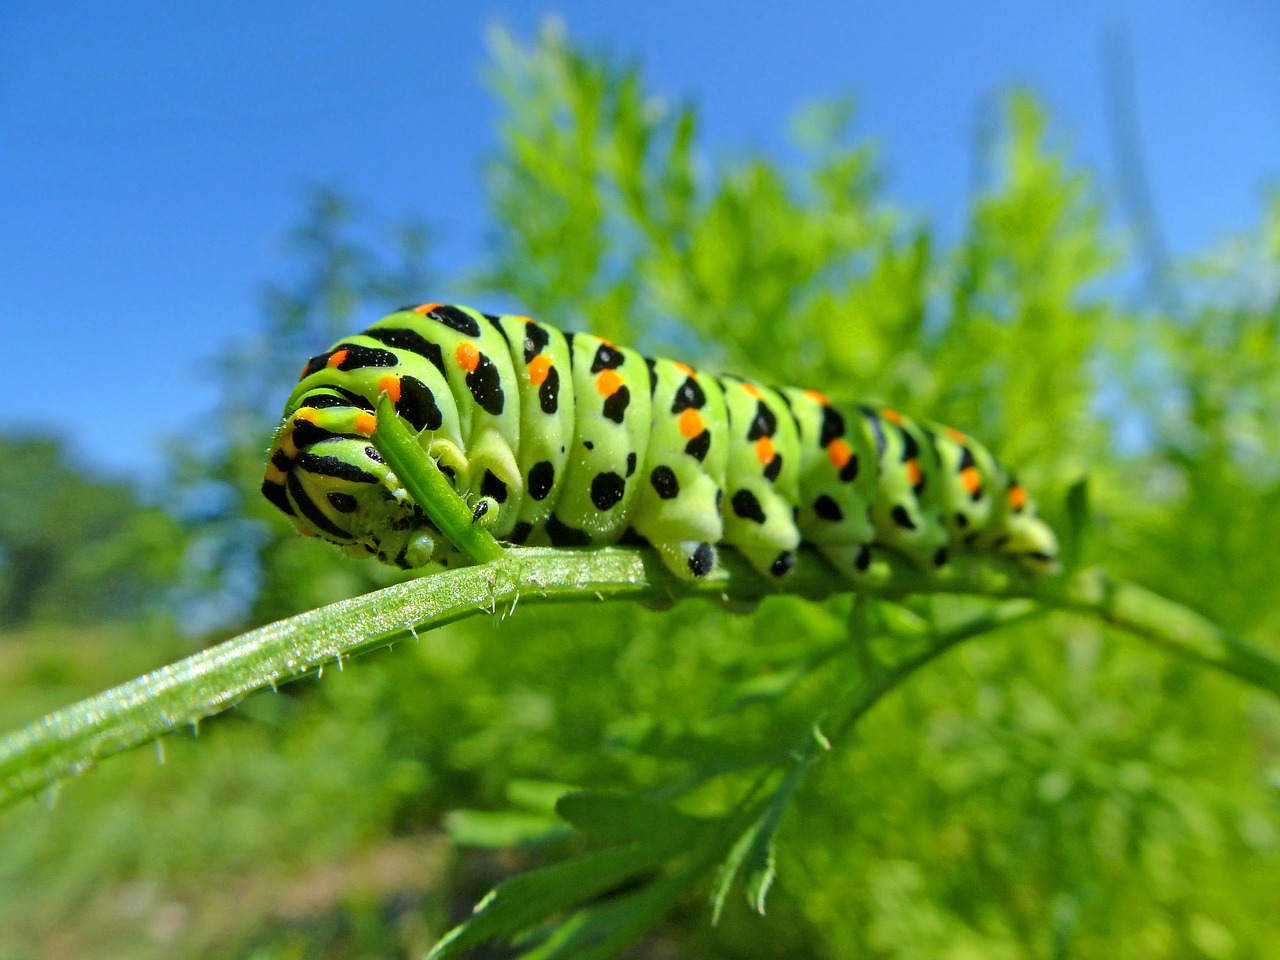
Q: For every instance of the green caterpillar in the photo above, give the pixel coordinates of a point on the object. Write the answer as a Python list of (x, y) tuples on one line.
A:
[(569, 440)]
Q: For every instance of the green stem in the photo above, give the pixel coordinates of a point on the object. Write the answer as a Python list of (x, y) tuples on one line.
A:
[(1165, 623), (873, 687), (429, 488), (73, 739)]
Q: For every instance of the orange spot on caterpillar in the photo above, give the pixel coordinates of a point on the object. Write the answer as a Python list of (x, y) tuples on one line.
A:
[(306, 533), (893, 416), (822, 398), (971, 479), (764, 450), (690, 423), (608, 382), (956, 435), (425, 308), (306, 414), (913, 471), (338, 358), (1017, 498), (468, 356), (306, 368), (366, 423), (752, 389), (391, 387), (687, 370), (839, 452), (539, 367)]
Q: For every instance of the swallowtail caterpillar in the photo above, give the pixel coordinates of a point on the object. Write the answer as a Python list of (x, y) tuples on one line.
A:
[(569, 440)]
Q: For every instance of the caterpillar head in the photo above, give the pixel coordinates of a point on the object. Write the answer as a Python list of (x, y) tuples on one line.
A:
[(332, 483), (1032, 543), (1024, 536)]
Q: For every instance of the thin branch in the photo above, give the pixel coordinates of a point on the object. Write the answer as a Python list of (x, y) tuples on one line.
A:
[(429, 488), (73, 739)]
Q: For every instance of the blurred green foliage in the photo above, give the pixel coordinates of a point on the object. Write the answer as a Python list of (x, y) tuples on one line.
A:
[(1052, 791), (75, 549), (243, 566)]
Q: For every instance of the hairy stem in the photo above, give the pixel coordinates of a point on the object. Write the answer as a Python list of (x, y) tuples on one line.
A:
[(429, 487), (70, 740)]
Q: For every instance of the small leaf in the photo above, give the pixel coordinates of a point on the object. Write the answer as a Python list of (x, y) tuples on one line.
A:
[(603, 929), (1078, 533), (761, 862), (761, 871), (429, 488), (754, 848), (516, 905), (820, 738), (729, 870)]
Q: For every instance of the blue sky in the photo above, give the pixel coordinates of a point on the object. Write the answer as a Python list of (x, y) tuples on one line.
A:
[(152, 154)]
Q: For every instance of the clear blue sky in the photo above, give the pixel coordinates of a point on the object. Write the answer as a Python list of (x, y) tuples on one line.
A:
[(153, 153)]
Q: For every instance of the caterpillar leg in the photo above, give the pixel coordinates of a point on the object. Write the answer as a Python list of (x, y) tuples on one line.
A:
[(836, 520), (772, 560), (687, 559), (451, 461), (851, 559), (677, 511), (485, 512), (495, 483), (759, 523)]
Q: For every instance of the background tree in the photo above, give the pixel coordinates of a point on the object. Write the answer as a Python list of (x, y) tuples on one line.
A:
[(244, 565), (76, 549)]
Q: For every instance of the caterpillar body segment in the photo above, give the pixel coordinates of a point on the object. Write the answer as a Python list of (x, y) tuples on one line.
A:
[(679, 500), (762, 486), (907, 509), (545, 391), (570, 440), (592, 500)]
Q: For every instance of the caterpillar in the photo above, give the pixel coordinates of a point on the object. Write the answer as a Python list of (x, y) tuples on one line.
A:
[(566, 439)]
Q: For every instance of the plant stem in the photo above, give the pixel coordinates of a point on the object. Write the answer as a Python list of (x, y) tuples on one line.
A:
[(429, 488), (73, 739)]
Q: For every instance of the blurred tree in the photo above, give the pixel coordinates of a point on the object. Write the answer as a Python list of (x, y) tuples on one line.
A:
[(1209, 380), (245, 564), (76, 549)]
